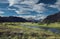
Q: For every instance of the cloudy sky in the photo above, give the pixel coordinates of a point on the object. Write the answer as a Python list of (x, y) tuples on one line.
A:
[(29, 8)]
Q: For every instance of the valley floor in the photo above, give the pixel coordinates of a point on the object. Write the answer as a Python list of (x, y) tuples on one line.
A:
[(19, 30)]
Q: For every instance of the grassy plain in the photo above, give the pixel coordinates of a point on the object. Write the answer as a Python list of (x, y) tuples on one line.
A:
[(16, 30)]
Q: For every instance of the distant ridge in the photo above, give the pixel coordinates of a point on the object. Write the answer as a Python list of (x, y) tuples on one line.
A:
[(12, 19)]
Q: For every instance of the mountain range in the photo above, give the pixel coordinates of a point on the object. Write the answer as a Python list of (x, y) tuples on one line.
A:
[(16, 19), (49, 19), (12, 19)]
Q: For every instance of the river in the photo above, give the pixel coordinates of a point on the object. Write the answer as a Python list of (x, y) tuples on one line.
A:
[(54, 30)]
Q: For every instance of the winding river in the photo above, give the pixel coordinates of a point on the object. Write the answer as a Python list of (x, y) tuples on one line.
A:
[(54, 30)]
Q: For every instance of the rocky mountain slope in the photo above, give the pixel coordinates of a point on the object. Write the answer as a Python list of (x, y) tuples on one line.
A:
[(52, 18)]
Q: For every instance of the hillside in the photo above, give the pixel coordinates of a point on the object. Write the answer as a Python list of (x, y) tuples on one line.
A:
[(12, 19), (52, 18)]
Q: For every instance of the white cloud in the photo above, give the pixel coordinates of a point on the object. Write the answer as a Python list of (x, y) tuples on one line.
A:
[(58, 2), (11, 2), (39, 8), (28, 16), (1, 12), (27, 2), (28, 5), (40, 16), (30, 2), (56, 5), (22, 12), (32, 6), (35, 7), (36, 17)]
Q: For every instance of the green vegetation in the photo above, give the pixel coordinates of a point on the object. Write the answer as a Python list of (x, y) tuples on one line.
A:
[(17, 30), (51, 25)]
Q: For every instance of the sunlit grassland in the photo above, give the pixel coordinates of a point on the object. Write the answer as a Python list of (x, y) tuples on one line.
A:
[(51, 25), (28, 33)]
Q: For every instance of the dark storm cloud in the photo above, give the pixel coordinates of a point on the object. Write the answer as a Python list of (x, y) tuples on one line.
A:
[(47, 1)]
